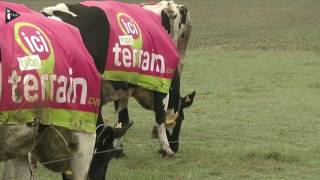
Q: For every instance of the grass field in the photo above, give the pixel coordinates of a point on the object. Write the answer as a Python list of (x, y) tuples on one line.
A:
[(256, 68)]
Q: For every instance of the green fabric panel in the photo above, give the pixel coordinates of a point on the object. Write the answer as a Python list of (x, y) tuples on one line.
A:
[(17, 117), (74, 120), (148, 82)]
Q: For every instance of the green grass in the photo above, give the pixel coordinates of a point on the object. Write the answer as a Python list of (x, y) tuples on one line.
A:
[(255, 66), (256, 117)]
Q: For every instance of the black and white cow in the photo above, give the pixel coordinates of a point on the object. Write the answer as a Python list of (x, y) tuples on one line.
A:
[(100, 161), (184, 102), (93, 26)]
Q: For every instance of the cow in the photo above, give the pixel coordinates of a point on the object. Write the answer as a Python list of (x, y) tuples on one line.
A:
[(174, 131), (49, 111), (94, 26), (176, 20)]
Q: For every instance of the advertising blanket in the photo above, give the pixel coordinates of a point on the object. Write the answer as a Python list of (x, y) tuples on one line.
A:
[(47, 74), (140, 51)]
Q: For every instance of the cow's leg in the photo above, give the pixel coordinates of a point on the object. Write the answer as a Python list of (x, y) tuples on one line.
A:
[(123, 118), (18, 169), (160, 108), (170, 114), (173, 104), (80, 162), (100, 126), (122, 111)]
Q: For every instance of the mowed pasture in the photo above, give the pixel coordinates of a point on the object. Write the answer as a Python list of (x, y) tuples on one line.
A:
[(256, 68)]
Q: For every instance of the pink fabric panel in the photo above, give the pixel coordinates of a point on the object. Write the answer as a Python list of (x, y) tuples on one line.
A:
[(45, 65), (149, 40)]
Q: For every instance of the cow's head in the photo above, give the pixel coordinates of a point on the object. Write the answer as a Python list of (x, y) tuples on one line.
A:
[(173, 125), (104, 150)]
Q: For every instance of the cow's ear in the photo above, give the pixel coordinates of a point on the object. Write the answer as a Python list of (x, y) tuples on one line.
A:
[(188, 100), (184, 13), (166, 20)]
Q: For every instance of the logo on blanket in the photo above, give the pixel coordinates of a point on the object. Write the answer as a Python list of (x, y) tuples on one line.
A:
[(129, 52), (37, 47), (132, 32), (47, 83)]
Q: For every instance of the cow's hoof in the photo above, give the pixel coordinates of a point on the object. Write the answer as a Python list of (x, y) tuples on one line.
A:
[(119, 154), (164, 153), (154, 133)]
